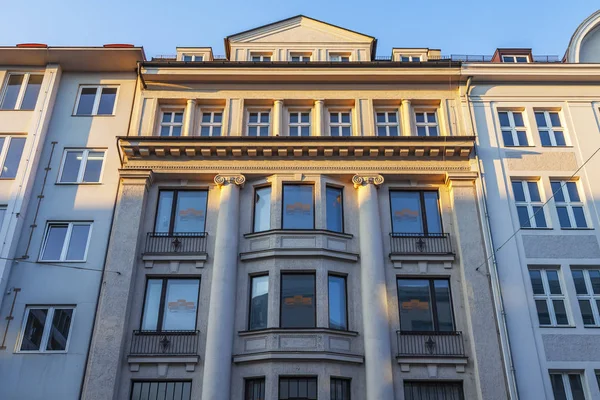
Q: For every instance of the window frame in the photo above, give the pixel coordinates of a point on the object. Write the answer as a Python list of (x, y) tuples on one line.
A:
[(566, 384), (294, 272), (171, 124), (549, 298), (303, 56), (252, 276), (158, 381), (339, 125), (421, 192), (258, 125), (174, 208), (515, 57), (82, 166), (341, 189), (211, 125), (66, 242), (97, 98), (427, 125), (333, 380), (569, 204), (299, 124), (432, 299), (436, 384), (590, 296), (254, 379), (387, 124), (261, 57), (4, 154), (409, 58), (296, 377), (47, 328), (314, 213), (256, 189), (347, 322), (333, 57), (193, 57), (513, 128), (22, 90), (530, 204), (551, 129)]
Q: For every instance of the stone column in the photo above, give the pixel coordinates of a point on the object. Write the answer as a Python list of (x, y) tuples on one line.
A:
[(277, 117), (318, 128), (407, 117), (188, 124), (219, 336), (105, 360), (378, 353)]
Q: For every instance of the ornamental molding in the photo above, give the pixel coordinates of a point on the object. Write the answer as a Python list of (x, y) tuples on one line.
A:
[(285, 168), (236, 179), (363, 180)]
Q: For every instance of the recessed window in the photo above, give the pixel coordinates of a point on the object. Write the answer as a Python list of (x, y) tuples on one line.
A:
[(211, 123), (425, 305), (254, 389), (81, 166), (587, 287), (298, 388), (262, 209), (552, 133), (295, 57), (21, 91), (339, 57), (428, 390), (259, 302), (530, 207), (170, 304), (171, 122), (338, 315), (334, 208), (259, 123), (387, 123), (339, 389), (415, 212), (549, 298), (426, 123), (567, 385), (298, 308), (11, 150), (569, 205), (410, 58), (96, 100), (340, 123), (260, 57), (161, 390), (181, 212), (2, 213), (513, 128), (515, 59), (66, 241), (193, 57), (299, 123), (46, 329), (298, 207)]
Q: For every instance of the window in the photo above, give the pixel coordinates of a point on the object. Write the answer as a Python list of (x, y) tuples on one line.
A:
[(170, 304), (338, 315), (423, 390), (171, 123), (255, 389), (193, 57), (66, 241), (339, 58), (340, 123), (96, 100), (258, 123), (515, 59), (259, 302), (410, 58), (299, 123), (261, 57), (426, 123), (530, 207), (161, 390), (11, 150), (262, 209), (587, 287), (21, 91), (297, 388), (339, 389), (2, 214), (387, 123), (46, 328), (298, 207), (513, 128), (211, 123), (300, 57), (569, 205), (549, 298), (567, 386), (298, 309), (181, 211), (425, 305), (334, 209), (550, 128), (81, 166), (415, 212)]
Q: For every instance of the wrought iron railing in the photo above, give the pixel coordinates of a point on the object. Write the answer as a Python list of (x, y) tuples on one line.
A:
[(430, 344), (181, 242), (419, 243), (164, 343)]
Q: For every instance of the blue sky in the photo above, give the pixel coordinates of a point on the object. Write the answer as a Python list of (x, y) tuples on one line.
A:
[(456, 27)]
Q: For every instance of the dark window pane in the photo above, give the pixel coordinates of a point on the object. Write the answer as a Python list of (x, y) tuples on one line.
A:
[(334, 118), (337, 303), (576, 387), (573, 192), (503, 116), (346, 118), (297, 301), (553, 282), (181, 305), (380, 117), (545, 138), (579, 217), (518, 117), (560, 312), (86, 101), (152, 304), (542, 311), (392, 117), (536, 281), (11, 92), (346, 131), (55, 240), (558, 387), (293, 118), (305, 117), (586, 312), (540, 119), (334, 131), (93, 167), (563, 217), (334, 209), (595, 278), (31, 92), (508, 138), (107, 101), (255, 389), (432, 212), (176, 131), (78, 242), (420, 117), (522, 138), (560, 138), (253, 117), (421, 131), (579, 281), (534, 192), (427, 390), (524, 220), (415, 305), (406, 212), (71, 166), (34, 329), (305, 131), (381, 131), (557, 190), (259, 302), (393, 130), (540, 218), (170, 390), (216, 131), (555, 119), (262, 209), (13, 157), (518, 190), (165, 131), (190, 214), (298, 207), (252, 131), (264, 131), (59, 331), (433, 131), (178, 117), (443, 305), (339, 389)]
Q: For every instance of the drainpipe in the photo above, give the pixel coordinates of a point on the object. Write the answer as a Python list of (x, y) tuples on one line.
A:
[(493, 268)]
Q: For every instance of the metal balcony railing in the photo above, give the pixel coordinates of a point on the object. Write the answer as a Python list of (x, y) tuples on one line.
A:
[(172, 343), (420, 243), (181, 243), (430, 344)]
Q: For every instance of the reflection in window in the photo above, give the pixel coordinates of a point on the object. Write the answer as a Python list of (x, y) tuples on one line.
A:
[(334, 209), (21, 92), (259, 302), (298, 309), (415, 212), (171, 305), (425, 305), (298, 207), (567, 386), (66, 241), (549, 298), (81, 166), (181, 211), (337, 303), (39, 334), (96, 100), (11, 150), (262, 209)]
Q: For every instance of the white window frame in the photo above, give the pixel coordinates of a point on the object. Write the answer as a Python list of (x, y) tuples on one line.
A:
[(65, 247), (551, 129), (172, 122), (387, 124), (97, 98), (261, 57), (590, 297), (339, 57), (339, 125), (549, 297), (260, 112), (427, 125), (21, 95), (530, 203), (47, 328), (513, 128), (570, 204), (567, 385), (82, 166), (4, 153), (302, 57), (506, 58), (194, 57), (404, 58), (211, 125), (297, 126)]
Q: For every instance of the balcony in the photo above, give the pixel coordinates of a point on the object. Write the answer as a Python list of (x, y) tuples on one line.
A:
[(175, 248), (431, 348), (419, 247), (164, 348)]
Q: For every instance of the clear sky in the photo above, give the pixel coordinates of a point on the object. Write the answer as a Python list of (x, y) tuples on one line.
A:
[(455, 26)]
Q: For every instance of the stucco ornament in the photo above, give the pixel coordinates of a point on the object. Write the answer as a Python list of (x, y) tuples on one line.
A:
[(359, 180), (238, 179)]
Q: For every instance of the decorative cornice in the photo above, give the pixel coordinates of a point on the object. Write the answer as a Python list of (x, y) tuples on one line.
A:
[(364, 179), (136, 176), (237, 179)]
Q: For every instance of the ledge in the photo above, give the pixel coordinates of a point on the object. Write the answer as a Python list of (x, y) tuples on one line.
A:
[(163, 362), (299, 356), (432, 362), (174, 259), (400, 260), (298, 331)]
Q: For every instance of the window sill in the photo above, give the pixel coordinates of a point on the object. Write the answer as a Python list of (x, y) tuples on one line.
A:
[(7, 179), (557, 326), (17, 110), (535, 229), (78, 183), (576, 229), (557, 147), (92, 115), (298, 231), (41, 352), (61, 261)]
